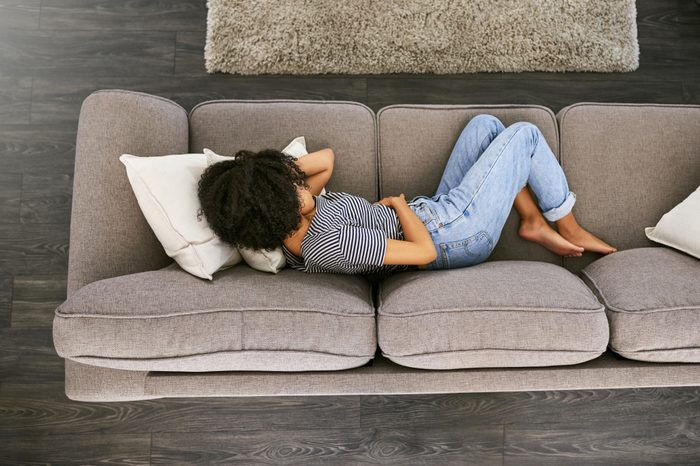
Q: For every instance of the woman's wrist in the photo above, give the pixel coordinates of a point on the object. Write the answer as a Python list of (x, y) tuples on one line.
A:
[(398, 200), (413, 228)]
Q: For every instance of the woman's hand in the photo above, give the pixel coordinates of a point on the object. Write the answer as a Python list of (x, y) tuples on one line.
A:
[(389, 201)]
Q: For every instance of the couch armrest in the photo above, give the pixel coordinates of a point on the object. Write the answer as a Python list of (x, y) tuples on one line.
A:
[(109, 235)]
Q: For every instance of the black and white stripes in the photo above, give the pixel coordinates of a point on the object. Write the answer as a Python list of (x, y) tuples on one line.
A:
[(347, 235)]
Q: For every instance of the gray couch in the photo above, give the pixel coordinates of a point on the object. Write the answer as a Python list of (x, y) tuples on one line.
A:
[(136, 326)]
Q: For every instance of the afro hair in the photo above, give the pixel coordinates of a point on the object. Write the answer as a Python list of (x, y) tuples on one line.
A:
[(251, 201)]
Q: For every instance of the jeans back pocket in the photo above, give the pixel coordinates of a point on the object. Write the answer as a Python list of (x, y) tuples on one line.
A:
[(470, 251)]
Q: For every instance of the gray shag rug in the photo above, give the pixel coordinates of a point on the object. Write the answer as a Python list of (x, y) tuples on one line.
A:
[(420, 36)]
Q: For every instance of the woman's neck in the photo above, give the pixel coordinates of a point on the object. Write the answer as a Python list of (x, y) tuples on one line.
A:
[(296, 238)]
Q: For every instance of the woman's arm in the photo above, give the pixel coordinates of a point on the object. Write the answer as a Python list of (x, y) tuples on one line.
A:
[(318, 167), (418, 248)]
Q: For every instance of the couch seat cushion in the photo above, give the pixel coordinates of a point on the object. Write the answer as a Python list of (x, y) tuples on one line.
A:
[(242, 320), (495, 314), (652, 299)]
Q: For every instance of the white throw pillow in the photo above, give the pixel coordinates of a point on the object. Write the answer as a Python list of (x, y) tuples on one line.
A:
[(259, 259), (679, 228), (166, 190)]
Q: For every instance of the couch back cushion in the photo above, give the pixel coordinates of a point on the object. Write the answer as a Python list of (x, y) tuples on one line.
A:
[(415, 142), (628, 164), (227, 126)]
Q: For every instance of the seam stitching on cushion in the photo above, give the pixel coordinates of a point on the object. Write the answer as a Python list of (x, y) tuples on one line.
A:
[(653, 311), (496, 308), (491, 349), (205, 311), (585, 286), (224, 351), (145, 94), (600, 292), (295, 101), (654, 350), (612, 308), (243, 330), (460, 106)]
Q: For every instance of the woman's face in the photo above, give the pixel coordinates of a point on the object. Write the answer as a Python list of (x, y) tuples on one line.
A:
[(306, 200)]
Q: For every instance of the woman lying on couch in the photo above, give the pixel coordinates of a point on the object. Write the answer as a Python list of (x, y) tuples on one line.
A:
[(267, 199)]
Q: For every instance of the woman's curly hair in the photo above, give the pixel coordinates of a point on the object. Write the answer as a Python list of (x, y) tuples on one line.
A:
[(251, 201)]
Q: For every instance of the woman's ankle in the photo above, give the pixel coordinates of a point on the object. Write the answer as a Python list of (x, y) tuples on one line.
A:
[(532, 219), (567, 223)]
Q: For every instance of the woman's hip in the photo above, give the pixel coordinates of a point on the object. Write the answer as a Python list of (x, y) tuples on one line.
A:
[(460, 241)]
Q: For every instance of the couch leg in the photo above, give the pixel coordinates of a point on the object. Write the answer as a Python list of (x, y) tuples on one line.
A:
[(93, 383)]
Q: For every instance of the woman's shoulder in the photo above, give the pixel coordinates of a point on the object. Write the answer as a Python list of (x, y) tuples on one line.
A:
[(293, 260)]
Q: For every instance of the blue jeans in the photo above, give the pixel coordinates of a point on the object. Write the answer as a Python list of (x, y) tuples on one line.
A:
[(488, 167)]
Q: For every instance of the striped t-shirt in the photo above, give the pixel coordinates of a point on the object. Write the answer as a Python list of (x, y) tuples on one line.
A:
[(347, 235)]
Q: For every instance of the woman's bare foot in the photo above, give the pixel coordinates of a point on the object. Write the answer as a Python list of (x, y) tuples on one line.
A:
[(578, 235), (537, 230)]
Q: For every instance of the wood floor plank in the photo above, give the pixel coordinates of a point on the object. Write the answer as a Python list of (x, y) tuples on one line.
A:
[(418, 445), (35, 299), (49, 53), (37, 340), (659, 18), (45, 390), (22, 15), (6, 284), (34, 248), (108, 449), (57, 100), (30, 367), (15, 95), (671, 58), (177, 15), (38, 149), (557, 93), (691, 92), (531, 407), (46, 198), (54, 413), (189, 53), (663, 440), (10, 189)]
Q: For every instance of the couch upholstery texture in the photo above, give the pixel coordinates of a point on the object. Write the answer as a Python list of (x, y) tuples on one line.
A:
[(136, 326)]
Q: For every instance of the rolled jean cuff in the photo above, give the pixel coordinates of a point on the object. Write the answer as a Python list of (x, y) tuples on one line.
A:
[(558, 212)]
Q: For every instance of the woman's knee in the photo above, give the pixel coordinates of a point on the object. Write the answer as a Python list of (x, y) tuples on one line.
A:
[(487, 121), (526, 130), (524, 125)]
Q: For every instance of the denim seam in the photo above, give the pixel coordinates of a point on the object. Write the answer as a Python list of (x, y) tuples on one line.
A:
[(491, 168), (466, 242), (490, 134)]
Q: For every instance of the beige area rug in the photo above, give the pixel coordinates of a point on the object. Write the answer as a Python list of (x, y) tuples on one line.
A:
[(420, 36)]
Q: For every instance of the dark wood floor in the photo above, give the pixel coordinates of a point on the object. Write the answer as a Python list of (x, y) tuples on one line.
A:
[(54, 53)]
